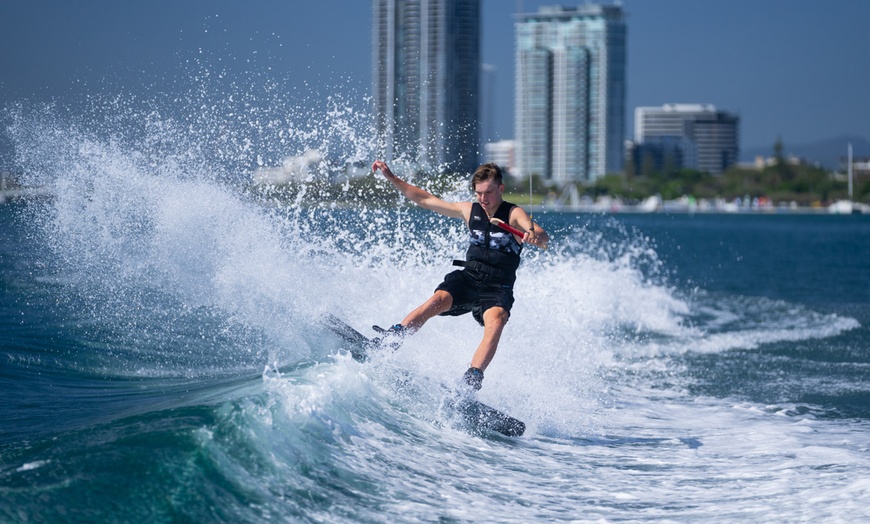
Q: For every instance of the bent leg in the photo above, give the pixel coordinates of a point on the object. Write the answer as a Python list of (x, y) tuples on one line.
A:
[(437, 304), (494, 320)]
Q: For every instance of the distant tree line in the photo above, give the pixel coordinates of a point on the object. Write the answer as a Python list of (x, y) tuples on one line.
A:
[(781, 181)]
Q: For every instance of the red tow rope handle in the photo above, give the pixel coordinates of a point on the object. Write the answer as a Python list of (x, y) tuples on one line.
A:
[(511, 229)]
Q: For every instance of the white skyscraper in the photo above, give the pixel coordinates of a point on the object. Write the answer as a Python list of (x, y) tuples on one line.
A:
[(426, 81), (570, 92)]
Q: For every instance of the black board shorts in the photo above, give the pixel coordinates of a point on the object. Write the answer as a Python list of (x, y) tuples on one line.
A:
[(475, 293)]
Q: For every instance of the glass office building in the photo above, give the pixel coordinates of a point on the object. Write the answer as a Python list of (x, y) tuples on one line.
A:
[(707, 139), (426, 81), (570, 92)]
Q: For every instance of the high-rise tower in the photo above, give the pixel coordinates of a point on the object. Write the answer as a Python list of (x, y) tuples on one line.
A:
[(704, 138), (426, 81), (570, 92)]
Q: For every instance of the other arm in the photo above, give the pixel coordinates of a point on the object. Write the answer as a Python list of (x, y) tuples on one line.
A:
[(535, 234), (423, 198)]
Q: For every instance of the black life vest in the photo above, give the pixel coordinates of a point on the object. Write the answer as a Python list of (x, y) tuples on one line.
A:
[(492, 250)]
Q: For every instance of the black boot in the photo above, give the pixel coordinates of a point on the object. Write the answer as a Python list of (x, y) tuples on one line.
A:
[(392, 337), (473, 378)]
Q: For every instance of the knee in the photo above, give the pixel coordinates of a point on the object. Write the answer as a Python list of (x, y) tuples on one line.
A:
[(496, 316), (441, 301)]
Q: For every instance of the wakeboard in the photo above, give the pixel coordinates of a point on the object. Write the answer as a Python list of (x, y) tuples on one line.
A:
[(473, 413), (358, 344)]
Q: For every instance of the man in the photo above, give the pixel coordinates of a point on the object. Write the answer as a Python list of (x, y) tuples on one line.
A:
[(485, 286)]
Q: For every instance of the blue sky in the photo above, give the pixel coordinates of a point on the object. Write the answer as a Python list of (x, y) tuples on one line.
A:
[(796, 69)]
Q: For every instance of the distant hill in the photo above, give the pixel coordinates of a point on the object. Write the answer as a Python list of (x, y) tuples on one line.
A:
[(828, 153)]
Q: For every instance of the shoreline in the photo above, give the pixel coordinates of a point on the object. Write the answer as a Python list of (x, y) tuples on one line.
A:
[(633, 210), (603, 206), (688, 205)]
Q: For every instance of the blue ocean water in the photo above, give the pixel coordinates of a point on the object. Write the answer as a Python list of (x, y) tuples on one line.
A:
[(162, 359)]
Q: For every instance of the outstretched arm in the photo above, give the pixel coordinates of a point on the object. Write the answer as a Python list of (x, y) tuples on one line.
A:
[(423, 198)]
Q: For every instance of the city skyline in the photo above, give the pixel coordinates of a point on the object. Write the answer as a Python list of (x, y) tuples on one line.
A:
[(791, 69)]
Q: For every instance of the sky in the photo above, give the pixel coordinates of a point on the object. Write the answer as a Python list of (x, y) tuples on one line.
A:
[(797, 70)]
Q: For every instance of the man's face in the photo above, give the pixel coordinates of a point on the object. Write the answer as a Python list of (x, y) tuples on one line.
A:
[(489, 194)]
